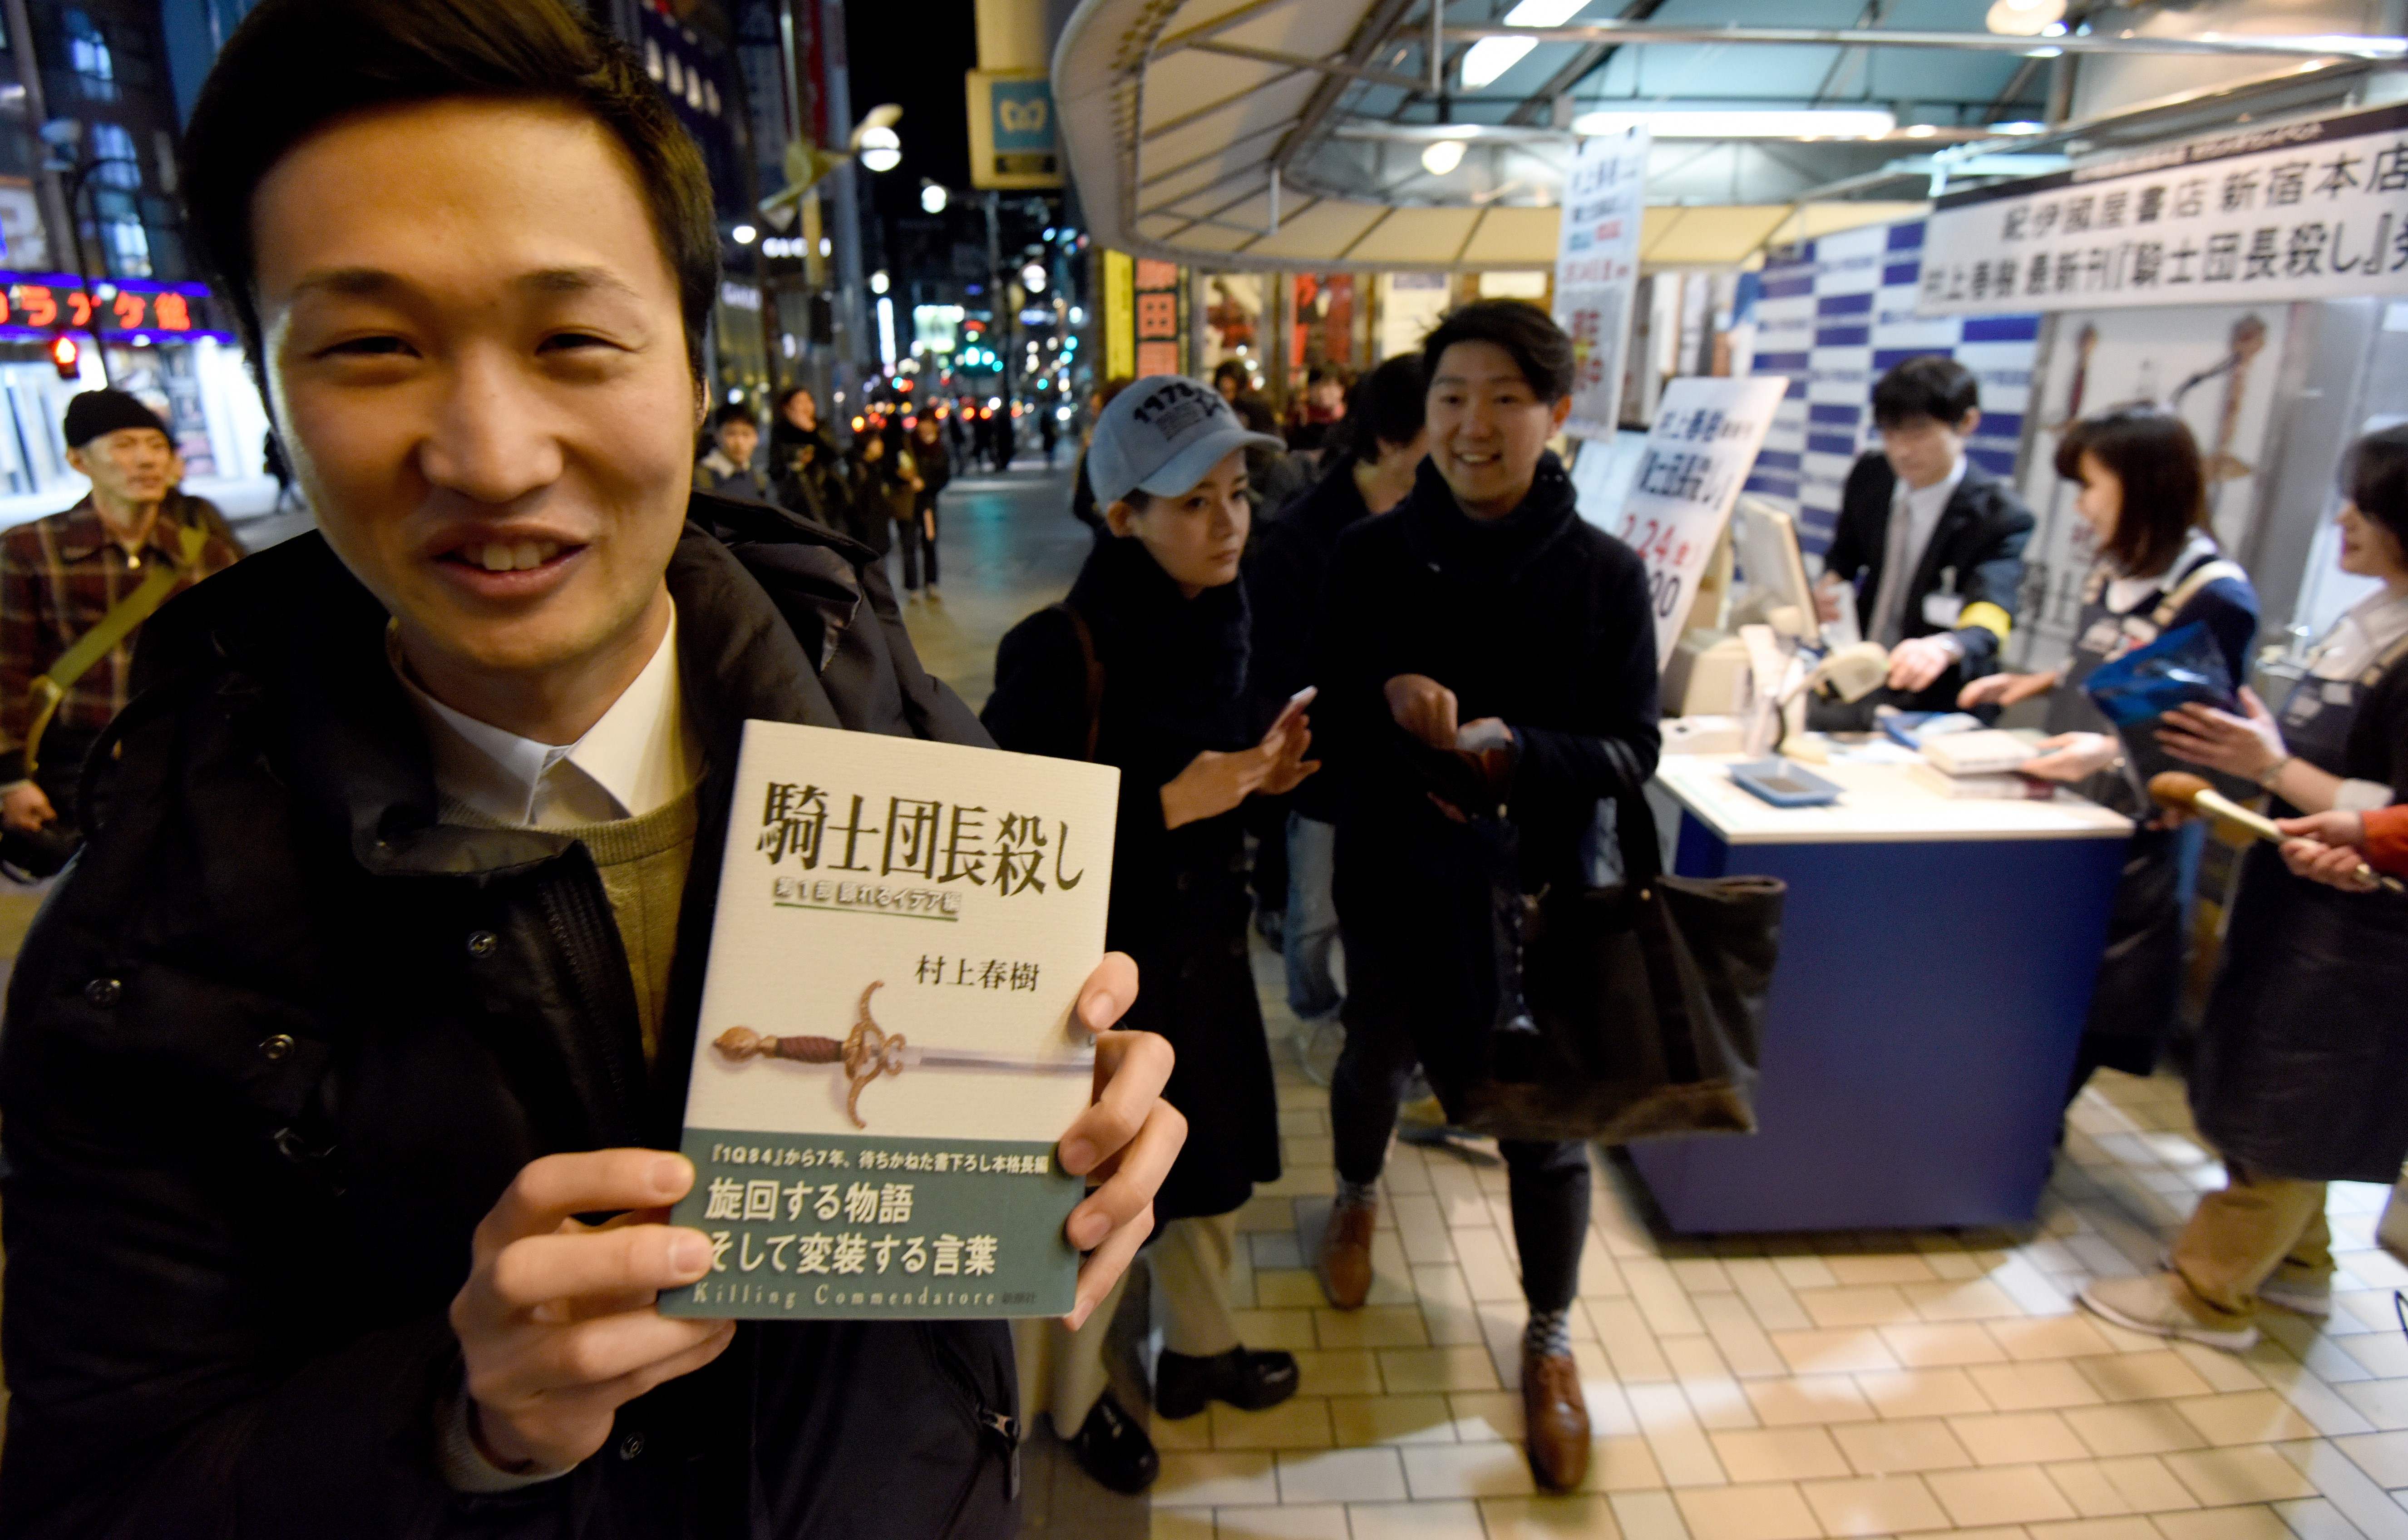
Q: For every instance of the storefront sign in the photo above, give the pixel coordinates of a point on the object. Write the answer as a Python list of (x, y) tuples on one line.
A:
[(2309, 210), (1160, 304), (1013, 138), (1596, 267), (35, 307), (1705, 435)]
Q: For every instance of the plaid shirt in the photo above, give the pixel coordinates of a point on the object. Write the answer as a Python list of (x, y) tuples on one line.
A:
[(58, 577)]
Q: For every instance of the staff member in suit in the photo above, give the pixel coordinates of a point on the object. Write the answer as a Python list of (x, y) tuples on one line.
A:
[(1933, 542)]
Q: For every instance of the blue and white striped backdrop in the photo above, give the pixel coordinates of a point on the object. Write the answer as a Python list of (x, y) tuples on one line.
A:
[(1833, 314)]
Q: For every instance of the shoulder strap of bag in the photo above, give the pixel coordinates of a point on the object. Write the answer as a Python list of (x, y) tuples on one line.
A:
[(2213, 569), (1094, 674), (2383, 665), (50, 688)]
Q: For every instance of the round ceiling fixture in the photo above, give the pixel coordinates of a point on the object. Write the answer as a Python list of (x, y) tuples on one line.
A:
[(1441, 157), (881, 148), (2024, 18)]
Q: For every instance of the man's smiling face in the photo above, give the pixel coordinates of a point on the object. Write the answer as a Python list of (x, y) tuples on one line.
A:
[(473, 340)]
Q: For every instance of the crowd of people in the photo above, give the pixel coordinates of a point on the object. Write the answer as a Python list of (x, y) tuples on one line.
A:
[(340, 1072), (1432, 623)]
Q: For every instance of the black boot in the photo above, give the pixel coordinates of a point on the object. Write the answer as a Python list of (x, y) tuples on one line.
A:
[(1246, 1380), (1112, 1448)]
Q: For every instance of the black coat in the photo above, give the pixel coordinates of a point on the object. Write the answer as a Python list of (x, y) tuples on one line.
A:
[(1174, 686), (280, 1040), (1537, 618), (1285, 573), (1980, 539)]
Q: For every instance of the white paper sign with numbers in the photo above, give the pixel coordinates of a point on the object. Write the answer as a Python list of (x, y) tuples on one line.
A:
[(2306, 210), (1597, 272), (1697, 457)]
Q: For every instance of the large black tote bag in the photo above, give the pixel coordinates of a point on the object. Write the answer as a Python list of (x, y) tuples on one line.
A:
[(1626, 1012)]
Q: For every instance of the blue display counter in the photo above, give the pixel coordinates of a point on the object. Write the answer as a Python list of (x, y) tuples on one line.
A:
[(1936, 963)]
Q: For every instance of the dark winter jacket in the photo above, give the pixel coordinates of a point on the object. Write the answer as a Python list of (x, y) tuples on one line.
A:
[(935, 467), (1285, 573), (1537, 618), (1174, 673), (1978, 545), (280, 1040)]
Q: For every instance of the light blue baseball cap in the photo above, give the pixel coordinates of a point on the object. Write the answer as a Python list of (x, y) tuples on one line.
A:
[(1163, 434)]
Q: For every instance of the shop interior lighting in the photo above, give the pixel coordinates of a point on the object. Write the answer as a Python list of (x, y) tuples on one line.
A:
[(1746, 123), (2023, 17), (1491, 57), (1441, 157)]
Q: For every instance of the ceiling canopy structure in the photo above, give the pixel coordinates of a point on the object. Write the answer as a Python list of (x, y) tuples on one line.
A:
[(1418, 134)]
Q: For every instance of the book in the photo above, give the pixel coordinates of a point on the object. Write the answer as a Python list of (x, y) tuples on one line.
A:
[(886, 1053), (2007, 786), (1987, 753)]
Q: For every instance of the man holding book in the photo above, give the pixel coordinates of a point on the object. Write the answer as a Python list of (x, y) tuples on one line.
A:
[(339, 1075)]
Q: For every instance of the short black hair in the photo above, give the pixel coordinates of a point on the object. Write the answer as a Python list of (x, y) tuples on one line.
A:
[(1233, 366), (1388, 406), (735, 411), (1537, 345), (1934, 387), (2374, 476), (2153, 456), (785, 398), (295, 66)]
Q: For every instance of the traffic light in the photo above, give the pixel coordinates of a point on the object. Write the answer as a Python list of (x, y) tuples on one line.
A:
[(66, 357)]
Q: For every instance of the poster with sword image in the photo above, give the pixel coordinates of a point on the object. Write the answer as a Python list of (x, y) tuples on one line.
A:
[(888, 1053)]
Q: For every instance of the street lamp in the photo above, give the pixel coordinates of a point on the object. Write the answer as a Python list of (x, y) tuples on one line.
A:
[(881, 149), (932, 199), (65, 161)]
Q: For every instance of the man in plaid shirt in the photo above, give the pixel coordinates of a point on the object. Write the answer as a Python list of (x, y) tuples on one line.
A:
[(59, 576)]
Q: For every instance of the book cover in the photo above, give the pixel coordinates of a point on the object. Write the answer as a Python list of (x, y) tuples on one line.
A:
[(886, 1052)]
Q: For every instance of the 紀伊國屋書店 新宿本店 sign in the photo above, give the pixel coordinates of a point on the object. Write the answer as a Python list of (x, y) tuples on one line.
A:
[(2305, 211)]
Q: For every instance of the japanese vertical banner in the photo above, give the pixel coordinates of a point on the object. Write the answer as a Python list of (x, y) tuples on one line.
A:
[(1596, 270), (1705, 435), (2305, 211)]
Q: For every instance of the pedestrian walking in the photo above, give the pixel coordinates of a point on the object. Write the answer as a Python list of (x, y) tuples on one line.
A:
[(74, 588), (1481, 647), (934, 468), (726, 466), (1144, 666)]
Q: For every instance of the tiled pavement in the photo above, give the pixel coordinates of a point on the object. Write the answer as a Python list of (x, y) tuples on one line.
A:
[(1789, 1388), (1802, 1387)]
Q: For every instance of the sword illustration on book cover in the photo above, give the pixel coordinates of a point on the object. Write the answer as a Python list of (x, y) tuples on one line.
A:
[(869, 1051)]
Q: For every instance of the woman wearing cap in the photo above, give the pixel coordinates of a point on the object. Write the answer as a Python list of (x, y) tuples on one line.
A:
[(1145, 668)]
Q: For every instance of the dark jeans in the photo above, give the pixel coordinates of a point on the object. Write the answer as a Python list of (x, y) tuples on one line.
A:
[(1547, 1179), (918, 542)]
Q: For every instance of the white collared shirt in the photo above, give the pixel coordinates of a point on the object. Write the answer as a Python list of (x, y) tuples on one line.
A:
[(639, 757), (1913, 514)]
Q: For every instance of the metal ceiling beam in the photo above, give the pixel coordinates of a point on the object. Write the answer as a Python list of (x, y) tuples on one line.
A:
[(1298, 60), (1172, 126), (1371, 35), (1974, 42), (1587, 62), (1219, 24)]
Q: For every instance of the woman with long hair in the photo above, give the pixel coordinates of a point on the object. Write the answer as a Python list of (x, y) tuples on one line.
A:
[(2302, 1054), (2159, 569)]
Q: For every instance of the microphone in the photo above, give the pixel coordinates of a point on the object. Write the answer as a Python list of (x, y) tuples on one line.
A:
[(2193, 793)]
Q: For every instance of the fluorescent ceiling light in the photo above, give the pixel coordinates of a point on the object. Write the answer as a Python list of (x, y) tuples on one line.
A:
[(1442, 156), (1745, 123), (1491, 57), (2020, 126), (2024, 18)]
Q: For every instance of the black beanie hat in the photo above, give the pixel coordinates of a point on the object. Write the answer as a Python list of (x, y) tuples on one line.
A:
[(98, 412)]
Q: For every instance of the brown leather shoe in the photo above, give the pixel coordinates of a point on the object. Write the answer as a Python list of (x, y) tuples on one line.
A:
[(1346, 1254), (1557, 1417)]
